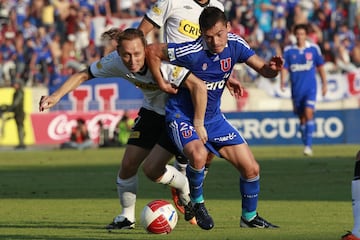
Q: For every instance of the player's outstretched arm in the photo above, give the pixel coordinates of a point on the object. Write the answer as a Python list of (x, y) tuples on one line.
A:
[(322, 74), (268, 70), (145, 26), (235, 88), (155, 53), (70, 84), (283, 77)]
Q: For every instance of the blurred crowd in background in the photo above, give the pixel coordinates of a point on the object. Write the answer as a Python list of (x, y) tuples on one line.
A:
[(42, 42)]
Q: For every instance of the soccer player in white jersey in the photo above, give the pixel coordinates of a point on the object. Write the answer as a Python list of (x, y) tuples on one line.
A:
[(179, 21), (355, 194), (302, 59), (212, 58), (128, 62)]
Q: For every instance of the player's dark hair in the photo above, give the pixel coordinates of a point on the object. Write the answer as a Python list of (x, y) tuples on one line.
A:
[(301, 26), (111, 34), (211, 16), (130, 34)]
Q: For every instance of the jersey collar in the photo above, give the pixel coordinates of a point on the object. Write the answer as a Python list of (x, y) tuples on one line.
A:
[(206, 48), (202, 4)]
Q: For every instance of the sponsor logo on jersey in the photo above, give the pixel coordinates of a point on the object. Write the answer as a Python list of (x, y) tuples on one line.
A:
[(215, 85), (189, 29), (176, 72), (301, 67), (187, 7), (156, 10), (135, 134), (228, 137), (146, 86)]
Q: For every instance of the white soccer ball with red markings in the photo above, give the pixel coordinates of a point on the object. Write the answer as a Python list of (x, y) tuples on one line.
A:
[(159, 217)]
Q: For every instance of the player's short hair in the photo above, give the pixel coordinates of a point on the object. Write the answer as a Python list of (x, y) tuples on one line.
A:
[(211, 16), (130, 34), (301, 26), (111, 34)]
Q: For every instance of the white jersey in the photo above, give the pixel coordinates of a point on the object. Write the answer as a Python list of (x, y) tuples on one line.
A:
[(180, 18), (154, 99)]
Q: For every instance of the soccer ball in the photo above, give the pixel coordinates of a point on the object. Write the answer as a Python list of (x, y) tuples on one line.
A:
[(159, 217)]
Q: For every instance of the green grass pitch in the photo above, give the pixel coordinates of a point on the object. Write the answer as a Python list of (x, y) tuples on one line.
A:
[(71, 195)]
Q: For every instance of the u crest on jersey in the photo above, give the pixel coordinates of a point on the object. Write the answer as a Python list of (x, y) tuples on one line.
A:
[(225, 64)]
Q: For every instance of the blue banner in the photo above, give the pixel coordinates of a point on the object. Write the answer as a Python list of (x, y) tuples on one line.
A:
[(268, 128)]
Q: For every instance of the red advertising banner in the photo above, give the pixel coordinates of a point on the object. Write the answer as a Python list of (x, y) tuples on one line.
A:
[(354, 83), (55, 127)]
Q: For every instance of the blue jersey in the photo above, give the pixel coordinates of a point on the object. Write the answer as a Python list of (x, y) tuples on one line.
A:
[(214, 69), (302, 64)]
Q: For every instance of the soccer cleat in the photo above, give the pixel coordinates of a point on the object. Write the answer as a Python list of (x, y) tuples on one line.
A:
[(189, 213), (202, 216), (176, 199), (183, 208), (349, 236), (120, 222), (256, 222), (308, 151)]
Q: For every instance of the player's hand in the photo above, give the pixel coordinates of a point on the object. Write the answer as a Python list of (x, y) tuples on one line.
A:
[(47, 102), (324, 89), (168, 88), (202, 133), (235, 87), (276, 63), (282, 87)]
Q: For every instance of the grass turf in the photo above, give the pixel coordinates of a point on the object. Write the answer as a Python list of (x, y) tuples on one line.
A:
[(71, 195)]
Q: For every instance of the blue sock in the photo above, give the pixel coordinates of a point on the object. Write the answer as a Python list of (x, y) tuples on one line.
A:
[(309, 130), (302, 132), (196, 179), (249, 189)]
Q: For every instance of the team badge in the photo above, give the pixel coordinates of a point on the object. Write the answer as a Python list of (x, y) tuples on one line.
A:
[(204, 66), (308, 56), (171, 54), (225, 64), (186, 133)]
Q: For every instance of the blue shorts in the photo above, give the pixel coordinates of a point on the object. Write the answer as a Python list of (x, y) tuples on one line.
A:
[(220, 133), (301, 101)]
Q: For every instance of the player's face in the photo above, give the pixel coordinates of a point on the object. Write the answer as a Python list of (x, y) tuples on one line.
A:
[(216, 37), (300, 35), (132, 52)]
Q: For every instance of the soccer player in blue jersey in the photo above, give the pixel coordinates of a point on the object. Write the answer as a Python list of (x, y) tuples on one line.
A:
[(212, 58), (301, 61)]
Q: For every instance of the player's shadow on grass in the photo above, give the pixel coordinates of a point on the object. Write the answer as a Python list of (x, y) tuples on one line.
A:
[(281, 179)]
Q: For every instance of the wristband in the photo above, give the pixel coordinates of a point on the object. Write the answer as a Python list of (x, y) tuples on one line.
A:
[(198, 122)]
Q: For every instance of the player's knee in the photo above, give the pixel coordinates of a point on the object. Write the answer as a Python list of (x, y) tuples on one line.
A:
[(251, 171), (151, 171), (128, 168), (199, 159)]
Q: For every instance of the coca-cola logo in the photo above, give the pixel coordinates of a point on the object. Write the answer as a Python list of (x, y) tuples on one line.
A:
[(60, 127)]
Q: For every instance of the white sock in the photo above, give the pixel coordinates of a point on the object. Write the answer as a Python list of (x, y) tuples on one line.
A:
[(176, 179), (127, 189), (181, 167)]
